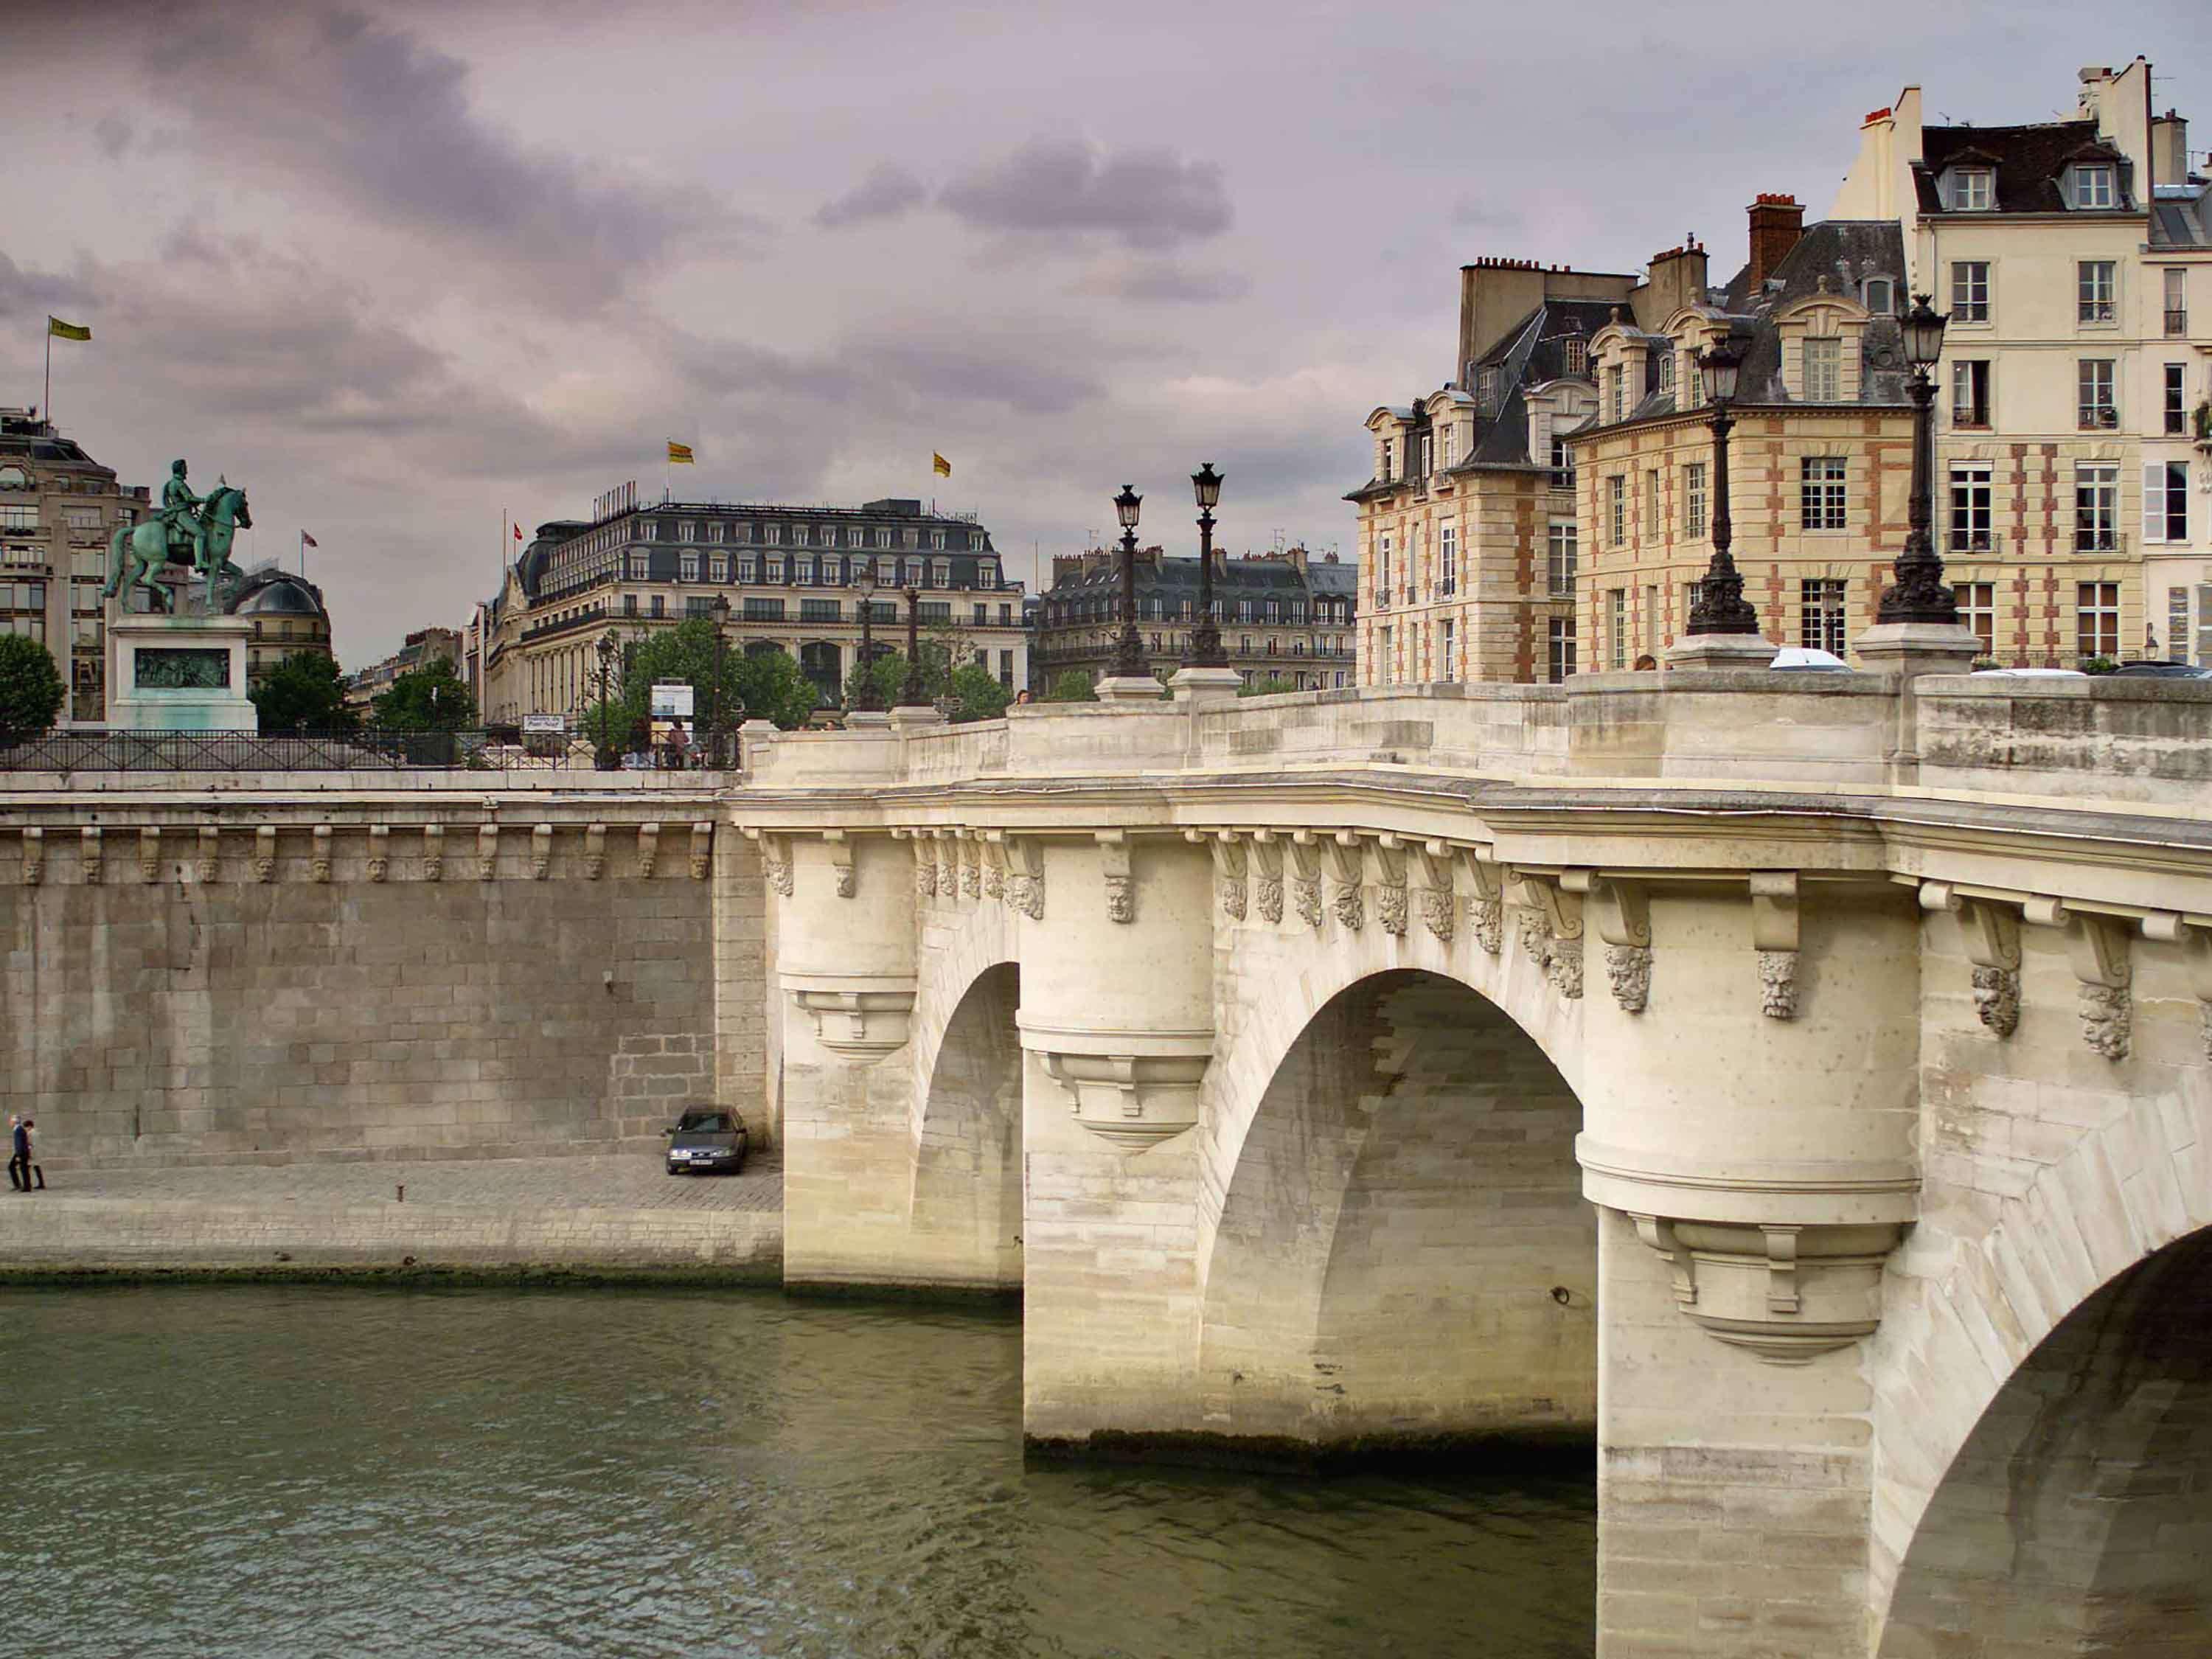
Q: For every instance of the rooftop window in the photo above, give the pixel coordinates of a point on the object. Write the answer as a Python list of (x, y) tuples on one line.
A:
[(1973, 190), (2093, 186)]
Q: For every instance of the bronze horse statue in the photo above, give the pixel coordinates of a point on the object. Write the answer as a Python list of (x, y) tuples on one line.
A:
[(136, 551)]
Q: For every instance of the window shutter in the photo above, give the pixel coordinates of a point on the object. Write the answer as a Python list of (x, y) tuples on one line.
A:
[(2154, 501)]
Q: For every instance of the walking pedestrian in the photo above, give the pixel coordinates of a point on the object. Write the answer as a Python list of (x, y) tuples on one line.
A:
[(19, 1161)]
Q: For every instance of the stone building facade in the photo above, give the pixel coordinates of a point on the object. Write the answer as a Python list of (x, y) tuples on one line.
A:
[(788, 572), (288, 615), (1821, 458), (58, 507), (2069, 479), (419, 650), (1287, 616)]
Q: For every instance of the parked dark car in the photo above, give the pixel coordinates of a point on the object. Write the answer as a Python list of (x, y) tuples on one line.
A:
[(2161, 670), (707, 1140)]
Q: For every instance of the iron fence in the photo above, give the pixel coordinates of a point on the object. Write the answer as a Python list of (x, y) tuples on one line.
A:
[(295, 751)]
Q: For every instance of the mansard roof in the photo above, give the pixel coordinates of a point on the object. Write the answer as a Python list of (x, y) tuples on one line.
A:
[(2029, 162)]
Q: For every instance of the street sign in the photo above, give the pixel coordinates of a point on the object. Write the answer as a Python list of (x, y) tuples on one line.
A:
[(545, 726), (671, 701)]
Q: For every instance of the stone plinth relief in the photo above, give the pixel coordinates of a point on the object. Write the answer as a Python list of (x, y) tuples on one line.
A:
[(1131, 1089), (2097, 951), (861, 1017), (1991, 932), (1439, 902), (1774, 938), (1621, 910), (1785, 1293)]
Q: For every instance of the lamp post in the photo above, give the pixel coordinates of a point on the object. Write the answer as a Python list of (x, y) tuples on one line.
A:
[(1919, 595), (868, 700), (605, 758), (1206, 650), (720, 610), (1720, 607), (1129, 648), (910, 688)]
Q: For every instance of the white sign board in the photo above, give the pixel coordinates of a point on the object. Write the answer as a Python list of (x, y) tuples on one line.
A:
[(545, 726), (671, 702)]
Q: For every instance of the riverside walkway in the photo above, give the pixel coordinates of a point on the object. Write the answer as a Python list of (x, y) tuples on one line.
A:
[(583, 1217)]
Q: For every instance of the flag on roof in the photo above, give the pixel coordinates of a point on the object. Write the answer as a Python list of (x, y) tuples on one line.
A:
[(62, 330), (940, 465), (679, 453)]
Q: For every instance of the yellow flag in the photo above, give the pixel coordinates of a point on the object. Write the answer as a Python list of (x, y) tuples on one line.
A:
[(680, 453), (64, 331), (940, 465)]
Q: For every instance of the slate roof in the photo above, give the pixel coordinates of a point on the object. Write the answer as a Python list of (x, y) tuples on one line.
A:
[(277, 592), (1846, 251), (2181, 216), (2030, 163)]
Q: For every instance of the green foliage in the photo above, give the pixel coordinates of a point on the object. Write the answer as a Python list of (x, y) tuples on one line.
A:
[(432, 698), (889, 673), (303, 693), (2098, 665), (30, 687), (768, 686), (1270, 685), (979, 693), (609, 725), (1073, 685), (2202, 420)]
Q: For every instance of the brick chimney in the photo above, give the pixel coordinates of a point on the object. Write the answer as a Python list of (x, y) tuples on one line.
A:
[(1777, 223)]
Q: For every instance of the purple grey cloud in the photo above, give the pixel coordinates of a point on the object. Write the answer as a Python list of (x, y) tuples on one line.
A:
[(887, 192), (1149, 198)]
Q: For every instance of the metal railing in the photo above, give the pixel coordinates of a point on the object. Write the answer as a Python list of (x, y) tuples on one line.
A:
[(302, 751)]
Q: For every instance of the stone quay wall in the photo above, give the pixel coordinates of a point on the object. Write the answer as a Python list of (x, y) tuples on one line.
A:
[(364, 967)]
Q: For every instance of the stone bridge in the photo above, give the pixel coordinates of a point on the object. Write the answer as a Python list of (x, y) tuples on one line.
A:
[(1797, 1084)]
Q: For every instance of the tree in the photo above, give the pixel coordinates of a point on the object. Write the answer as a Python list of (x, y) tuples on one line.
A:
[(889, 673), (979, 693), (766, 686), (1072, 686), (30, 687), (432, 698), (1268, 685), (303, 693)]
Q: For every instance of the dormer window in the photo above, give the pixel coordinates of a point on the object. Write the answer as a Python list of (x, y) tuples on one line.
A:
[(1973, 190), (1485, 384), (1666, 371), (2093, 185), (1575, 355), (1824, 370), (1880, 295)]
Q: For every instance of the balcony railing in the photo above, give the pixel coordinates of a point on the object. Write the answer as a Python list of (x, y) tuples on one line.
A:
[(2097, 539), (1970, 541)]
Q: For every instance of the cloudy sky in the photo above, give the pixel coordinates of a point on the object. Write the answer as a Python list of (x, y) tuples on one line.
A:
[(403, 265)]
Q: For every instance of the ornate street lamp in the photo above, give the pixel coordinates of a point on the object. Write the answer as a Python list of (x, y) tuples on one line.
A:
[(605, 757), (720, 610), (1918, 594), (868, 700), (1720, 607), (910, 689), (1206, 650), (1129, 648)]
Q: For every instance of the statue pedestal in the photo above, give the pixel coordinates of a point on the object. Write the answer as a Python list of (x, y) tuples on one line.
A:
[(178, 673)]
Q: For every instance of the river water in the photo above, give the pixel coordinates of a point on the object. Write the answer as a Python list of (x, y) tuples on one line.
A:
[(296, 1472)]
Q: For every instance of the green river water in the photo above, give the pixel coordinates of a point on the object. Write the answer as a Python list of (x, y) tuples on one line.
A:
[(296, 1472)]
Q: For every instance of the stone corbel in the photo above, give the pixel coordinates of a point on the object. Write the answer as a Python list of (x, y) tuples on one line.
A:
[(2097, 951), (1229, 867), (379, 851), (1440, 904), (150, 854), (264, 852), (1348, 870), (993, 849), (775, 860), (2196, 942), (1305, 880), (1131, 1089), (488, 852), (944, 848), (1621, 911), (648, 849), (319, 844), (1121, 887), (1267, 875), (703, 848), (839, 846), (1389, 852), (1785, 1292), (925, 864), (1558, 904), (1774, 938), (595, 851), (1991, 932), (89, 853), (541, 851), (1025, 876), (207, 860), (861, 1017), (971, 864), (34, 856), (434, 852), (1486, 908)]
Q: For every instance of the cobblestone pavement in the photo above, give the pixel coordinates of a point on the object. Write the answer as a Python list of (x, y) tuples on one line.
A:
[(633, 1182)]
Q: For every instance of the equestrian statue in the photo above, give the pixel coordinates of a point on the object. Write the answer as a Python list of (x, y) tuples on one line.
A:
[(189, 529)]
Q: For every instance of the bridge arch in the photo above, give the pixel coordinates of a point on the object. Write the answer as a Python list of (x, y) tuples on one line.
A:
[(2051, 1409), (1401, 1249)]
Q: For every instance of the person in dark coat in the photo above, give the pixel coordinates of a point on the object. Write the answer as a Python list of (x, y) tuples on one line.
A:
[(19, 1154)]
